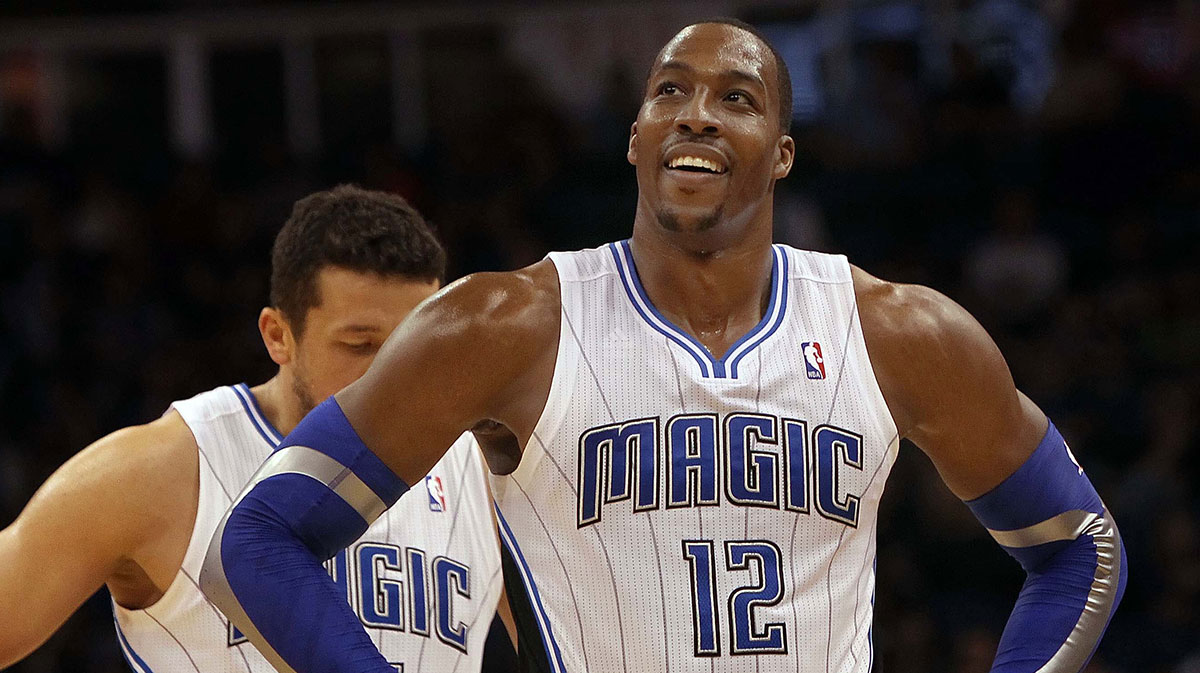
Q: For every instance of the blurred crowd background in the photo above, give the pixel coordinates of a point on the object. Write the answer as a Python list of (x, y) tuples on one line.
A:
[(1038, 161)]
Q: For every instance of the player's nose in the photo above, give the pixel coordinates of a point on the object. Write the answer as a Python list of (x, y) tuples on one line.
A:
[(698, 116)]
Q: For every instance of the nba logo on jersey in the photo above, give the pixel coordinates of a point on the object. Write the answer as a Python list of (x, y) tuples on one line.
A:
[(813, 361), (437, 494)]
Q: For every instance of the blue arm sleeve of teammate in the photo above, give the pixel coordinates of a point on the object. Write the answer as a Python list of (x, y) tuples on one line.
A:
[(1048, 516), (314, 496)]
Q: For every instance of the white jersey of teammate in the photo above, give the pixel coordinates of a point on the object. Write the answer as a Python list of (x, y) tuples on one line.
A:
[(424, 579), (676, 512)]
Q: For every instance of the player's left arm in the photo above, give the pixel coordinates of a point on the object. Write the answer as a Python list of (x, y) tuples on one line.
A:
[(950, 392)]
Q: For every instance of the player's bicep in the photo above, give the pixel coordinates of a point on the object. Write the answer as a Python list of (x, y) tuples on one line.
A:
[(465, 356), (951, 391), (414, 398), (975, 454)]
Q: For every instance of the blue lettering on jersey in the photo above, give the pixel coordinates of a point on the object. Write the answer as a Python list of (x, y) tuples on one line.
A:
[(451, 577), (389, 578), (835, 447), (234, 636), (795, 448), (745, 635), (760, 460), (692, 460), (752, 476), (612, 460), (381, 605), (705, 615), (419, 596)]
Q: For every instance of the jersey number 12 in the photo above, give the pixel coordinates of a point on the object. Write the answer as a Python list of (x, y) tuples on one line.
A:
[(746, 636)]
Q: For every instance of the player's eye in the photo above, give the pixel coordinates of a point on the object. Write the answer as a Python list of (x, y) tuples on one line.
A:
[(361, 348), (738, 97), (668, 89)]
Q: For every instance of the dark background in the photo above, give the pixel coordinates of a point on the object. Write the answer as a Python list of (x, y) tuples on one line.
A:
[(1037, 161)]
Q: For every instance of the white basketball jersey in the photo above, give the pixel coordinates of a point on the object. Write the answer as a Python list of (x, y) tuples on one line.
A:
[(424, 579), (677, 512)]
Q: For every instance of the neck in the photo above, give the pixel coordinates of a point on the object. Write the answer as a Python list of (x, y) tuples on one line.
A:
[(279, 403), (716, 295)]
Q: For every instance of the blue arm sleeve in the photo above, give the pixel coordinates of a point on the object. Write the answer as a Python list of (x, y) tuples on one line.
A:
[(314, 496), (1048, 516)]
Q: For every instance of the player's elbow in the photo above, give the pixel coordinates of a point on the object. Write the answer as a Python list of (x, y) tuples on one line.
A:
[(1068, 599), (1096, 557), (1089, 539), (281, 516), (247, 544), (1111, 567)]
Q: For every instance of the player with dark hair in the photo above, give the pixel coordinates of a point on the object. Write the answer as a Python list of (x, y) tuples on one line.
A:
[(136, 509), (705, 420)]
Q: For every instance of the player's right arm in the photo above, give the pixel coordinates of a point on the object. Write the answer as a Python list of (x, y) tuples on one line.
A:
[(91, 522), (950, 392), (482, 349)]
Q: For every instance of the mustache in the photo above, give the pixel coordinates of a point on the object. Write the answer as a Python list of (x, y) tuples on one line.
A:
[(682, 137)]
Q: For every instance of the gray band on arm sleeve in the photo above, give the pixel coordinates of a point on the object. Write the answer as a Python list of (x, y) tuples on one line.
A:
[(289, 460), (1066, 526)]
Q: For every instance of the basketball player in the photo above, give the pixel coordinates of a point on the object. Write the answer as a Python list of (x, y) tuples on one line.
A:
[(707, 421), (136, 510)]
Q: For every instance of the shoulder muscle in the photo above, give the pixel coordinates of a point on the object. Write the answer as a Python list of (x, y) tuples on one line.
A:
[(946, 383)]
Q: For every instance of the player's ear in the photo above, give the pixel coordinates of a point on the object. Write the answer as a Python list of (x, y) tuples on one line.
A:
[(631, 155), (786, 155), (276, 335)]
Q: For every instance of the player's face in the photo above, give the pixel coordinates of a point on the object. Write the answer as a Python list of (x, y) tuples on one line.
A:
[(354, 316), (707, 144)]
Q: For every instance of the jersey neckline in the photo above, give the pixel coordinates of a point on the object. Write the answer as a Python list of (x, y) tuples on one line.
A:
[(257, 418), (725, 367)]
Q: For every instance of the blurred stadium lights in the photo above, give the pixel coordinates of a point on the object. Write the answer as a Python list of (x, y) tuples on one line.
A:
[(37, 53)]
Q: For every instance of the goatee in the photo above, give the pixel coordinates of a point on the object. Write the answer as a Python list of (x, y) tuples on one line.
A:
[(670, 221)]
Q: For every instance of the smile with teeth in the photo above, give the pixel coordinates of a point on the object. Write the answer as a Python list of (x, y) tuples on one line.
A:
[(695, 164)]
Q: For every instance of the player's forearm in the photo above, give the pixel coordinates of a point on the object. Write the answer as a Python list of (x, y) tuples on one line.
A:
[(1065, 604), (274, 589), (316, 494), (1048, 516)]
